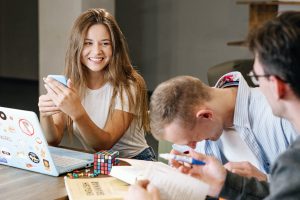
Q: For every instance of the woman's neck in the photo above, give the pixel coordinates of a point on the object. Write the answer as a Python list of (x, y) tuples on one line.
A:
[(95, 80)]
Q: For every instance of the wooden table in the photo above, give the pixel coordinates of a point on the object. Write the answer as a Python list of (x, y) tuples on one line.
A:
[(21, 184)]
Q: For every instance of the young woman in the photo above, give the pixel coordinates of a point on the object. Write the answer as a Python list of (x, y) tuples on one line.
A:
[(105, 103)]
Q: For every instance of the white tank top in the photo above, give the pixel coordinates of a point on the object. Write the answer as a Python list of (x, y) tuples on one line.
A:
[(96, 104)]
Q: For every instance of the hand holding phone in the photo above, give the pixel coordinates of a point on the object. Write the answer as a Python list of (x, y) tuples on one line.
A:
[(60, 78)]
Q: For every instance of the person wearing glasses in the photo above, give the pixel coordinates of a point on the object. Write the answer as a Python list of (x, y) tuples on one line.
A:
[(276, 47), (230, 121)]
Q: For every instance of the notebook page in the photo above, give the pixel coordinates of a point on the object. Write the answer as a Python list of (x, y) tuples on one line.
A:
[(174, 185)]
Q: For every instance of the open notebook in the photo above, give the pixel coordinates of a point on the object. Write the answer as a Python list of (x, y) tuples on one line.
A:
[(171, 183), (23, 145)]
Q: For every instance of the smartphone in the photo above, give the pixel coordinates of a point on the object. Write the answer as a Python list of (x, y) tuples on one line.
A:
[(60, 78)]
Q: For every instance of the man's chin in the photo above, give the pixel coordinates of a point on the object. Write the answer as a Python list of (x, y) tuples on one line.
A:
[(213, 138)]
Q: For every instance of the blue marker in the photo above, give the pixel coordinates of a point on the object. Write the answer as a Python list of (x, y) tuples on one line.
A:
[(185, 159)]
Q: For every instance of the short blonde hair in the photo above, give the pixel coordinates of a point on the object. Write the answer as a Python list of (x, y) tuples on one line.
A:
[(177, 99)]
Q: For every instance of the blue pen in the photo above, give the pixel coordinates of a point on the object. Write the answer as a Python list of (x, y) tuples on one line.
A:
[(185, 159)]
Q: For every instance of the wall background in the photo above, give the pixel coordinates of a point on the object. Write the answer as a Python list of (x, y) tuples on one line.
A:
[(166, 38), (56, 18), (169, 38), (19, 39)]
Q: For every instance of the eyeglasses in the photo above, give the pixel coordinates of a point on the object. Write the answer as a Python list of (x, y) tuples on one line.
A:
[(254, 77)]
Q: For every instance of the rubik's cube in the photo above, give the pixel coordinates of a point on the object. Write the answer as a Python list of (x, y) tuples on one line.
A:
[(104, 160)]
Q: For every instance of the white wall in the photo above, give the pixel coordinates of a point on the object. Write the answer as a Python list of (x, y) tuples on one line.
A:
[(56, 18), (282, 8), (175, 37)]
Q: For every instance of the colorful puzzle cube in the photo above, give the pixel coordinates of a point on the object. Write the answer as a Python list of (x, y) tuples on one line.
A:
[(104, 160)]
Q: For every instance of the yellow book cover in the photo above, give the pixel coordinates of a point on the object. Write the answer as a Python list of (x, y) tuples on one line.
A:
[(104, 188)]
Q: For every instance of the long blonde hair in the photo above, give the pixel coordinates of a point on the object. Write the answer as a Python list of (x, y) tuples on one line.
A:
[(119, 72)]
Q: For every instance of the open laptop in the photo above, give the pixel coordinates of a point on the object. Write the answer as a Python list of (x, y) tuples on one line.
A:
[(23, 145)]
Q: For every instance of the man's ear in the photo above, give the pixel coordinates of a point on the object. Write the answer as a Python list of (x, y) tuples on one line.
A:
[(278, 87), (204, 114)]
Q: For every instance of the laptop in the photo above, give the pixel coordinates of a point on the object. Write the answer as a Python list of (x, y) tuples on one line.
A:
[(23, 145)]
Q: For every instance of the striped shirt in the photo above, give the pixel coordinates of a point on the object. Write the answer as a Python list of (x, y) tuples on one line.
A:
[(265, 134)]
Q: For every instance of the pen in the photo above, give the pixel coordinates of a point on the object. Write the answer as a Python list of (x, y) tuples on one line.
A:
[(185, 159)]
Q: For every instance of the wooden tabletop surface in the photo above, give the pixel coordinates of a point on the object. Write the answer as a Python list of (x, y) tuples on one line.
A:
[(21, 184), (27, 185)]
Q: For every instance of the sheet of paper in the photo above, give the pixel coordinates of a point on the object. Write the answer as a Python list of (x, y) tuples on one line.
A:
[(128, 174), (95, 188), (175, 185), (172, 184), (137, 163)]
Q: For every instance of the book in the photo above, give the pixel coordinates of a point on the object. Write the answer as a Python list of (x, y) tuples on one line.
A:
[(103, 188), (171, 183)]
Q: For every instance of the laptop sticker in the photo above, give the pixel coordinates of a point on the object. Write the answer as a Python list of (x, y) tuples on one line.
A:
[(5, 153), (2, 115), (46, 165), (3, 160), (33, 157), (26, 127)]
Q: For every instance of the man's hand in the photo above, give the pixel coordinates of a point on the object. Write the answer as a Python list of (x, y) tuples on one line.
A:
[(245, 169), (175, 163), (142, 190), (212, 173)]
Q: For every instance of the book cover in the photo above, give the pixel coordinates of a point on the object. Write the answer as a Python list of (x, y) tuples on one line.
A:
[(103, 188)]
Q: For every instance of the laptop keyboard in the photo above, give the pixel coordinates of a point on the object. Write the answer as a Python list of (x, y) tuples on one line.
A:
[(62, 161)]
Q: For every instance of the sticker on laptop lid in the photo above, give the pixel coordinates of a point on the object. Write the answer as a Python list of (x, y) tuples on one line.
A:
[(26, 127), (33, 157), (2, 115)]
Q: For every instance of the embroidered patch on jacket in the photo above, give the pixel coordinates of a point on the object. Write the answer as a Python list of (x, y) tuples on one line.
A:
[(228, 80)]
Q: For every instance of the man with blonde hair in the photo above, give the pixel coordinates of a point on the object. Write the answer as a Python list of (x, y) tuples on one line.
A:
[(230, 121)]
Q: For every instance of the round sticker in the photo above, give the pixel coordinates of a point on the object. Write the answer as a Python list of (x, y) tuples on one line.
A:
[(46, 164), (33, 157), (2, 115), (38, 140), (26, 127)]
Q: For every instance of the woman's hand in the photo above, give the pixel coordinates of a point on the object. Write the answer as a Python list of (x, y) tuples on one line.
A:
[(47, 106), (64, 98)]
